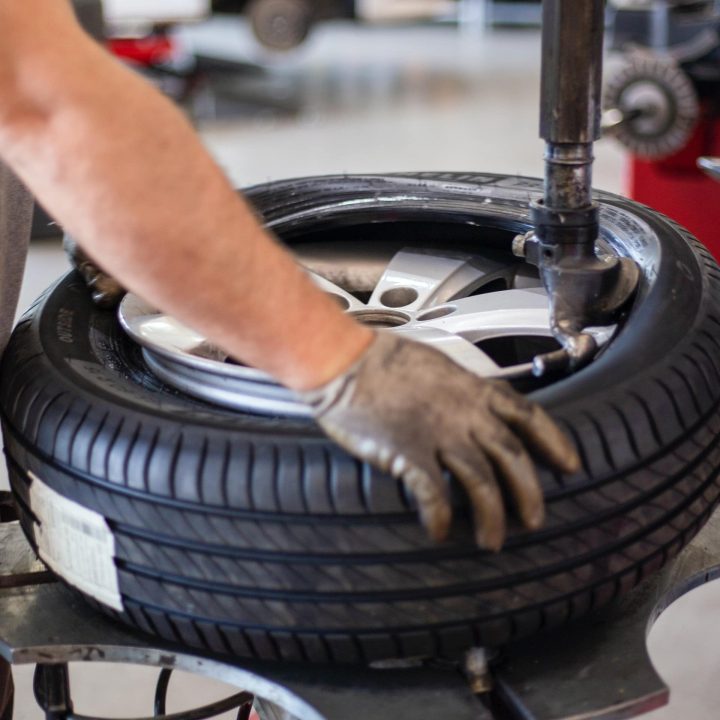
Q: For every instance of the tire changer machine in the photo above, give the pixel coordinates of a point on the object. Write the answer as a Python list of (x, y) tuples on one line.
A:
[(663, 105), (597, 668)]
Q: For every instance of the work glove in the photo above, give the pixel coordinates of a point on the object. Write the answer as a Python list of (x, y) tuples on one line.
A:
[(412, 412), (105, 290)]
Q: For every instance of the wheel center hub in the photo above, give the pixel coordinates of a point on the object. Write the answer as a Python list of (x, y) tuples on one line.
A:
[(381, 318)]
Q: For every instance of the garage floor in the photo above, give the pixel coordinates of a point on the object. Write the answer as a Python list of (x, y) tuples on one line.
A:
[(372, 100)]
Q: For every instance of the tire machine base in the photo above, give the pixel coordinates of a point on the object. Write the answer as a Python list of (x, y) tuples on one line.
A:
[(592, 669)]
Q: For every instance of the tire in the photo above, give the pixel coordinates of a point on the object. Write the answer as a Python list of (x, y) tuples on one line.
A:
[(281, 24), (256, 536)]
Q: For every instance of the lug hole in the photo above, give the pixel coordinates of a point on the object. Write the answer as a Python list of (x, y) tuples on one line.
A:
[(344, 303), (436, 313), (399, 297), (381, 318)]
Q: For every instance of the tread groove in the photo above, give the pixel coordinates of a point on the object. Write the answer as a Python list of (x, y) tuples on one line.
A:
[(651, 420), (628, 430)]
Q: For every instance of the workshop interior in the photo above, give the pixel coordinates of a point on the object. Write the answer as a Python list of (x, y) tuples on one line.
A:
[(532, 188)]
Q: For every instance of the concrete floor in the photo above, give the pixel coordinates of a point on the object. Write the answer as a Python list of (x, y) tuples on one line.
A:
[(373, 100)]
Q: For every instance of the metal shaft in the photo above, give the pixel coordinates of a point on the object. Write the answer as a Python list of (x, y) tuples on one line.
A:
[(571, 90), (583, 290)]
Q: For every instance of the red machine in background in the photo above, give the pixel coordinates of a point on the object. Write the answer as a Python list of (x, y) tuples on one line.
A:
[(663, 104), (677, 187), (149, 51)]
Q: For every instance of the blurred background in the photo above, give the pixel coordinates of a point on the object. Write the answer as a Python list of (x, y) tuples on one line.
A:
[(282, 88)]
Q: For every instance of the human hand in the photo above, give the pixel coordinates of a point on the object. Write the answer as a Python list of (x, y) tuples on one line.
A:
[(411, 411)]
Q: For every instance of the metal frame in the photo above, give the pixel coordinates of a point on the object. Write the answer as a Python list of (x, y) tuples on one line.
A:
[(51, 686), (595, 668)]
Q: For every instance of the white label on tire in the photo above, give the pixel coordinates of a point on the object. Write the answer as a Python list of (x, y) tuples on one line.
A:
[(76, 543)]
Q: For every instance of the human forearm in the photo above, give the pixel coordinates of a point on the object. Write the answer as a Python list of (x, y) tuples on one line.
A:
[(123, 171), (120, 167)]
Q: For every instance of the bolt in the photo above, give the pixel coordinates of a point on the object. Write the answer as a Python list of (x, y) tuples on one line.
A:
[(519, 244), (477, 670)]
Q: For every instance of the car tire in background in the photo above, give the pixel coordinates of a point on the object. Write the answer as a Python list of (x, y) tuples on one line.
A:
[(281, 24), (257, 536)]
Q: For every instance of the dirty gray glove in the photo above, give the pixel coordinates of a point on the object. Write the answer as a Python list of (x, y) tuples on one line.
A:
[(106, 291), (412, 412)]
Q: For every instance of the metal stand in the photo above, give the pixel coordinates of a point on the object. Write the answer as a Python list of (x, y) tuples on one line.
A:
[(595, 668)]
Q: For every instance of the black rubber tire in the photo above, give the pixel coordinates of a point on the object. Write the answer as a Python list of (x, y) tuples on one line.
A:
[(258, 537), (281, 24)]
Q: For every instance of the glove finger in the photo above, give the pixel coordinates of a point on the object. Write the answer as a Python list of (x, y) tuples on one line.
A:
[(518, 471), (476, 474), (537, 427), (426, 483), (431, 494)]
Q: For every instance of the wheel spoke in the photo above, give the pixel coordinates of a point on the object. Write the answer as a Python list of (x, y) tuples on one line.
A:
[(344, 298), (463, 352), (507, 312), (415, 279)]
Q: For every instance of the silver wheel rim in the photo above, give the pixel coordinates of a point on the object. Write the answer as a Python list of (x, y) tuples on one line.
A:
[(448, 300)]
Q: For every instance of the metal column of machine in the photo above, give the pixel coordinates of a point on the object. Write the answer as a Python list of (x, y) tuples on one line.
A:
[(584, 289)]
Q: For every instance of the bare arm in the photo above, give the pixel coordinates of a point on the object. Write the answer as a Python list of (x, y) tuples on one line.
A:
[(124, 172), (119, 166)]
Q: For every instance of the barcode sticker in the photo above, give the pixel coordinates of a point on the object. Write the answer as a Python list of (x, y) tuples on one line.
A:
[(76, 543)]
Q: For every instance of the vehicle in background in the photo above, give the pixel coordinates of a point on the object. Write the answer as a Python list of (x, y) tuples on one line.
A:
[(277, 24), (286, 24)]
